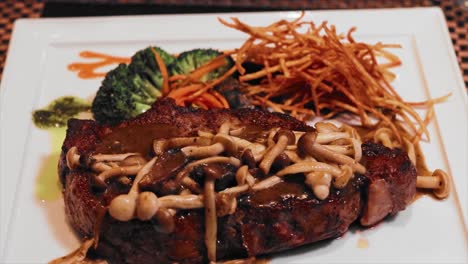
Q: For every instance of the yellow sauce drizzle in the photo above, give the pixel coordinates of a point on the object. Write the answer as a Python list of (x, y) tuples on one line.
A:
[(48, 187)]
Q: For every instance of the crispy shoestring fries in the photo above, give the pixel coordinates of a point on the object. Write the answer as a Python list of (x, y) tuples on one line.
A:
[(308, 66)]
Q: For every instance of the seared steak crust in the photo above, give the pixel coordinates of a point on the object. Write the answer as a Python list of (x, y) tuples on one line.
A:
[(392, 182), (260, 225), (285, 216)]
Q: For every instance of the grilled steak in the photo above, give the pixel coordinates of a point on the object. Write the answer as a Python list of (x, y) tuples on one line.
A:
[(270, 220)]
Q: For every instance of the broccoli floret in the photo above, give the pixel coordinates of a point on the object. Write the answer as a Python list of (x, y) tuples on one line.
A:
[(144, 63), (128, 91), (57, 113), (122, 95), (190, 60)]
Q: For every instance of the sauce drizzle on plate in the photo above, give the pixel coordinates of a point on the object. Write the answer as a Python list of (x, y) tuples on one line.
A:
[(87, 70)]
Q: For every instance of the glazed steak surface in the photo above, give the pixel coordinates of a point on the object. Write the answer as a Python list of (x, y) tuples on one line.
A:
[(284, 216)]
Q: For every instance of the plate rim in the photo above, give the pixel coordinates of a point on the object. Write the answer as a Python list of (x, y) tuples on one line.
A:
[(22, 25)]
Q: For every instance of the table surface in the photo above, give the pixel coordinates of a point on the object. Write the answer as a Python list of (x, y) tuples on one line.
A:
[(456, 13)]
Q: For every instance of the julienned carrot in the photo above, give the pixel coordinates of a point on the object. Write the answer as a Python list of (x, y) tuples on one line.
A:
[(201, 104), (163, 69), (212, 100), (221, 98), (182, 91), (206, 68)]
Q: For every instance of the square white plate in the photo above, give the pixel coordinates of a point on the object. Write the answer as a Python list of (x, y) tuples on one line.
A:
[(34, 231)]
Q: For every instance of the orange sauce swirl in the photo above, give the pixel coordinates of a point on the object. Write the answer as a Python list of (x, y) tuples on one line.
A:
[(87, 70)]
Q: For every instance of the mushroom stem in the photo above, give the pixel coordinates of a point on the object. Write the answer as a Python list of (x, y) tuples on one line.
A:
[(203, 152), (187, 201), (111, 157), (267, 183), (344, 150), (308, 166), (116, 171), (323, 152), (236, 190), (243, 176), (190, 184), (294, 157), (205, 134), (439, 182), (242, 143), (281, 140), (357, 149), (323, 138), (426, 182), (143, 171), (100, 167), (210, 219), (270, 156), (231, 160)]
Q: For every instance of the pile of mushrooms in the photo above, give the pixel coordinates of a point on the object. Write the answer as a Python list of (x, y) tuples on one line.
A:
[(328, 156)]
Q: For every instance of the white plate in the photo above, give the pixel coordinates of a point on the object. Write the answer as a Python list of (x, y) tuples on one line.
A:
[(32, 231)]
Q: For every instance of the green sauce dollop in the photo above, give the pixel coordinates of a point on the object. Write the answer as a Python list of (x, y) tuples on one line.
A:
[(57, 113)]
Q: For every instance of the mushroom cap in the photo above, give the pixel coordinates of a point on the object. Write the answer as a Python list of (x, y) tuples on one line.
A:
[(147, 205), (160, 146), (305, 142), (321, 191), (248, 158), (212, 172), (230, 146), (281, 161), (444, 188), (285, 133), (71, 156), (122, 207)]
